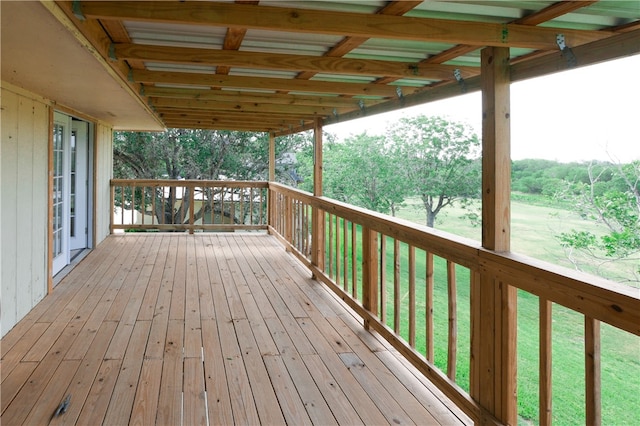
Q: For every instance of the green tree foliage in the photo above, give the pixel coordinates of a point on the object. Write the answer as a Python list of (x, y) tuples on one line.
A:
[(610, 197), (191, 154), (364, 171), (438, 159)]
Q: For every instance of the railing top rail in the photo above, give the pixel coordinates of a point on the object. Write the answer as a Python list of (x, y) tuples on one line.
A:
[(598, 298), (461, 250), (191, 183)]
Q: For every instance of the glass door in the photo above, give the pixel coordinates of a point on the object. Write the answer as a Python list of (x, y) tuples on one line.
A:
[(79, 184), (61, 190)]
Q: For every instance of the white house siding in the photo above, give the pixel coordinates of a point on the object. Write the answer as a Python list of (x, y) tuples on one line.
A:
[(104, 172), (23, 203)]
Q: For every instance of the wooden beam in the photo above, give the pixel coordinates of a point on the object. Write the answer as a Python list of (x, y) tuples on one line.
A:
[(233, 40), (284, 62), (244, 96), (247, 127), (425, 95), (494, 315), (297, 110), (339, 23), (619, 46), (535, 18), (289, 85), (196, 114)]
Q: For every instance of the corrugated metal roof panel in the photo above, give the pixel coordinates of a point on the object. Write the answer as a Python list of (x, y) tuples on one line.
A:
[(176, 34), (287, 42)]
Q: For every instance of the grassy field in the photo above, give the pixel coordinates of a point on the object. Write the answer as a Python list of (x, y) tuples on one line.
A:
[(532, 234)]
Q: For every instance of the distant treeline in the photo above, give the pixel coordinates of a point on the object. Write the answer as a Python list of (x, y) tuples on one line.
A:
[(546, 177)]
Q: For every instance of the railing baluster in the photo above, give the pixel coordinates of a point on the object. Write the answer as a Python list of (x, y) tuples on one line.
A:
[(453, 323), (330, 254), (345, 254), (337, 254), (192, 208), (545, 363), (354, 268), (412, 296), (112, 203), (383, 278), (396, 286), (592, 371), (429, 305), (133, 204)]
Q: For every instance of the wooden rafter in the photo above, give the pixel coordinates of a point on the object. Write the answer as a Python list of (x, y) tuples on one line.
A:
[(340, 23), (241, 82), (233, 40), (347, 44), (234, 95), (275, 61)]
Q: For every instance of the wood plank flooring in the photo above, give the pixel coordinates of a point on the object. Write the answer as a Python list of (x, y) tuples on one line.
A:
[(212, 328)]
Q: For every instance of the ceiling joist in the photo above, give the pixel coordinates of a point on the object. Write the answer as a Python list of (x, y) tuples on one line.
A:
[(282, 62), (289, 85), (339, 23), (234, 96)]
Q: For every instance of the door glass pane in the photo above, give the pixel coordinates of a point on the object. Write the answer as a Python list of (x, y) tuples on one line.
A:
[(58, 146), (72, 200)]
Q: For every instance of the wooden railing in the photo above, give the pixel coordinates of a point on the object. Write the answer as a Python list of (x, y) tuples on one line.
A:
[(372, 261), (188, 205)]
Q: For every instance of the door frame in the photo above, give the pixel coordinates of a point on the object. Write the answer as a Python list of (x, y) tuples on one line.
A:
[(67, 120)]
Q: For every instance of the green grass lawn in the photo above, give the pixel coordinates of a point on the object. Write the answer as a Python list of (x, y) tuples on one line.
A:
[(532, 234)]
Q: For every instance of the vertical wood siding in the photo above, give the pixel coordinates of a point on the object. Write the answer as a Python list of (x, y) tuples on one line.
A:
[(103, 174), (23, 207)]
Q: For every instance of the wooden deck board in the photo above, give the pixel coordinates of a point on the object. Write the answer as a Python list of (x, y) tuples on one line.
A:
[(206, 328)]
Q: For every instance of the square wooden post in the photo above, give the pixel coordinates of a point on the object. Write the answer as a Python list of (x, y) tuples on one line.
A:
[(493, 346), (271, 206), (369, 272), (317, 215)]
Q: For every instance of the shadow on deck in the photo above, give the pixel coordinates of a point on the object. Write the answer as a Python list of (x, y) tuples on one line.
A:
[(175, 329)]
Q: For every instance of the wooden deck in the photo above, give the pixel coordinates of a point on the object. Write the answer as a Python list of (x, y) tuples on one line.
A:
[(176, 329)]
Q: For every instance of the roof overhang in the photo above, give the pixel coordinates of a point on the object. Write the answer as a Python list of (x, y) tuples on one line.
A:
[(281, 66), (43, 56)]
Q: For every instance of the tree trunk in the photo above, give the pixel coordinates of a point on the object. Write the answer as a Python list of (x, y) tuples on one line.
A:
[(431, 218)]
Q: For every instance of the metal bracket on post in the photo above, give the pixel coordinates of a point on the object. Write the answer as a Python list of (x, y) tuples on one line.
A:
[(566, 51), (458, 75), (361, 105), (335, 114), (76, 8), (112, 52), (400, 95)]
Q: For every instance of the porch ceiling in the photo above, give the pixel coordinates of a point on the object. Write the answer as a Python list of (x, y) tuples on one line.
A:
[(279, 65)]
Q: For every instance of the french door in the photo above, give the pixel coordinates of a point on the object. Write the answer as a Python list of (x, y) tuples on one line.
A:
[(70, 188)]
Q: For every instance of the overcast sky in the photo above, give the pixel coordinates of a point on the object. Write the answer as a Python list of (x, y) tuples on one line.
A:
[(577, 115)]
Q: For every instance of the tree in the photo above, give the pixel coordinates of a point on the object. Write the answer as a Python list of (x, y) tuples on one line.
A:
[(612, 198), (438, 161), (189, 154), (363, 170)]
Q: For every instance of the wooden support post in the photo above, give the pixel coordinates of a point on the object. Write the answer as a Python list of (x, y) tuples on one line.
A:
[(494, 301), (317, 215), (272, 178), (369, 272)]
